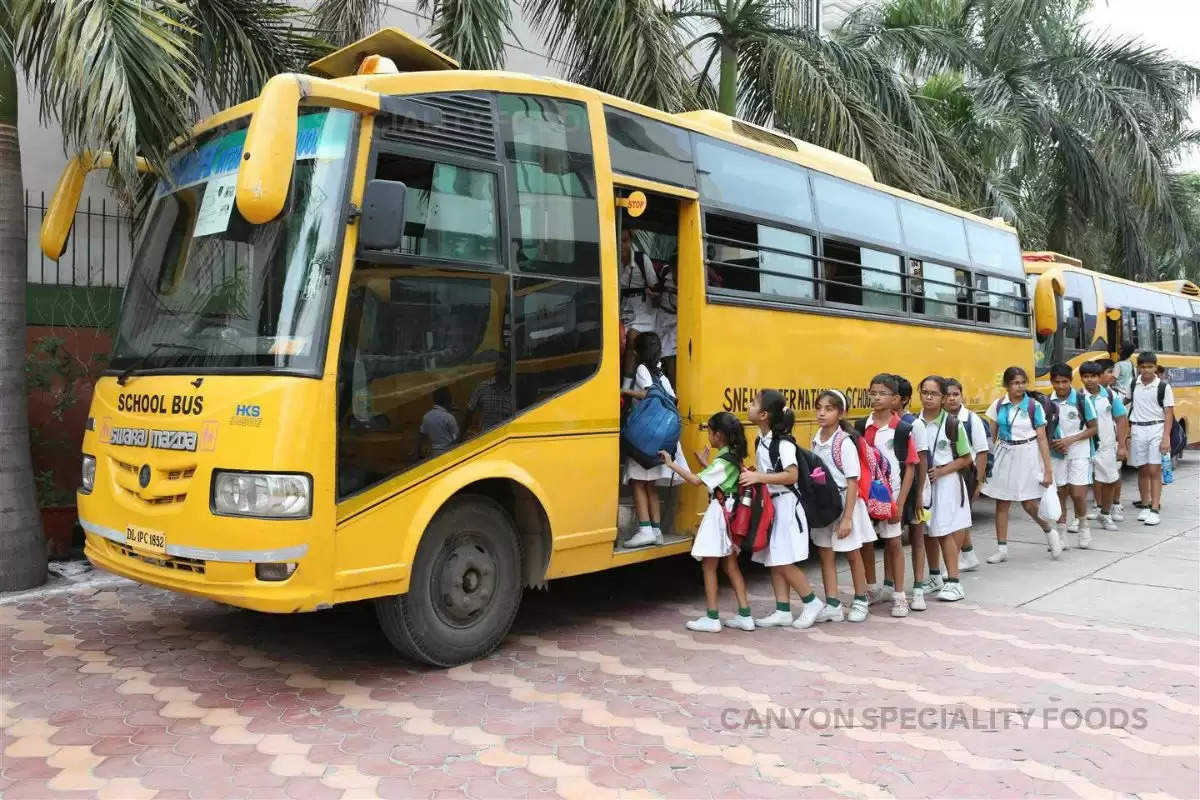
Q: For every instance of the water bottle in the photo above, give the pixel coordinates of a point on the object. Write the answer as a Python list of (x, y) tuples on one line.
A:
[(1168, 471)]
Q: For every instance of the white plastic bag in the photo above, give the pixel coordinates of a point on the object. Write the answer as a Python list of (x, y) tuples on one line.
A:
[(1050, 509)]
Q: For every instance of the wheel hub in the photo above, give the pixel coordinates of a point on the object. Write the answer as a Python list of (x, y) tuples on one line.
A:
[(465, 581)]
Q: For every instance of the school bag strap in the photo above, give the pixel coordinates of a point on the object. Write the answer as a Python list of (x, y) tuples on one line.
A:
[(952, 435)]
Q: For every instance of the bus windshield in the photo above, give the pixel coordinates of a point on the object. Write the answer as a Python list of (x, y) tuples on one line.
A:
[(210, 291)]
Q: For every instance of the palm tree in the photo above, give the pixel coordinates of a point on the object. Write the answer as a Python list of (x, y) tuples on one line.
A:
[(1070, 134), (125, 76)]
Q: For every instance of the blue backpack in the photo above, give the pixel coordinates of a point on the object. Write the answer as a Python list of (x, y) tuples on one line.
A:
[(653, 425)]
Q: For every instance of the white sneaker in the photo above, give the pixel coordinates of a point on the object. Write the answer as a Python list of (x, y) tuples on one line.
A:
[(968, 561), (951, 592), (658, 536), (643, 538), (1055, 543), (831, 614), (900, 606), (1085, 538), (740, 623), (1074, 526), (1062, 540), (776, 619), (808, 615), (918, 601), (1152, 518), (1118, 512), (1000, 556), (932, 584), (705, 625), (883, 594), (1107, 522), (1141, 517), (859, 610), (1094, 513)]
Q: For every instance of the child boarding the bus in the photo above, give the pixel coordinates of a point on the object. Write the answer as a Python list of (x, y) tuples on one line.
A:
[(1151, 415), (893, 438), (949, 500), (836, 442), (1071, 452), (1022, 470), (712, 545), (1112, 428), (777, 466), (645, 480)]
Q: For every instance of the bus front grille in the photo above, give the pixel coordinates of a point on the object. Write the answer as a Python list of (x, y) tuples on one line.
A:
[(179, 563)]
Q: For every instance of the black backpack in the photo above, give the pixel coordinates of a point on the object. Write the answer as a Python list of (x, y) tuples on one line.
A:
[(821, 501), (970, 477), (1178, 434)]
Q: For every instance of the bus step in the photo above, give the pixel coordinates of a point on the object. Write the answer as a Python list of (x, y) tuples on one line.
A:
[(668, 539)]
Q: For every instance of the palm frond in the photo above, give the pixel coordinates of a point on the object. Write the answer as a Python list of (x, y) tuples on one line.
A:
[(629, 48), (470, 31), (341, 22), (239, 44), (115, 74)]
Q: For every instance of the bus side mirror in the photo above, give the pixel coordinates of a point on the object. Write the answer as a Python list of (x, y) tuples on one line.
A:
[(382, 224)]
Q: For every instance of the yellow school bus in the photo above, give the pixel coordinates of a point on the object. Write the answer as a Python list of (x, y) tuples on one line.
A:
[(370, 345), (1082, 315)]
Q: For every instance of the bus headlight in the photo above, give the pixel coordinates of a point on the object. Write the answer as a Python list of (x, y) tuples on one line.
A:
[(260, 494), (87, 473)]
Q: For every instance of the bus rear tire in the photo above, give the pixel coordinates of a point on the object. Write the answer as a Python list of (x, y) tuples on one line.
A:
[(465, 588)]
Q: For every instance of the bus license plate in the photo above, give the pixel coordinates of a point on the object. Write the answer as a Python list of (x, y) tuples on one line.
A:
[(142, 539)]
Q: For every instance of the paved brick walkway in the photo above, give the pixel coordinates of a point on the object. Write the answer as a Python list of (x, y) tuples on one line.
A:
[(131, 692)]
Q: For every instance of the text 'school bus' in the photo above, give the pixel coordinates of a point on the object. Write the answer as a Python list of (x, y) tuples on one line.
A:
[(370, 348), (1080, 315)]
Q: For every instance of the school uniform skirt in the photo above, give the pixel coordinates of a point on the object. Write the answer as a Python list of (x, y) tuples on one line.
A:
[(951, 510), (1017, 472), (788, 543), (660, 475), (712, 540), (862, 530)]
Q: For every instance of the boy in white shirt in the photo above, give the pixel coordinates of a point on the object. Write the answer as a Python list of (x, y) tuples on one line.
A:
[(1151, 415), (977, 438), (1071, 442), (1112, 430)]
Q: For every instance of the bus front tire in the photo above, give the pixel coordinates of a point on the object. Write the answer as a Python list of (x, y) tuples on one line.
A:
[(465, 588)]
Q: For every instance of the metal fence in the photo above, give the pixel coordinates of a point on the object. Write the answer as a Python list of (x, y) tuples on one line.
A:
[(99, 251)]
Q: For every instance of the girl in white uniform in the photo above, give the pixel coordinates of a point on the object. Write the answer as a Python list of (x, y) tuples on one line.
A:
[(788, 543), (644, 481), (854, 528), (712, 544), (1021, 471), (950, 510)]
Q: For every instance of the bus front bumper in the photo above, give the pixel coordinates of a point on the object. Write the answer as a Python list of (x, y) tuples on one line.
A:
[(226, 576)]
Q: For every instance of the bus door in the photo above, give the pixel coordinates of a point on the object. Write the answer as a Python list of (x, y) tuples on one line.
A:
[(659, 273)]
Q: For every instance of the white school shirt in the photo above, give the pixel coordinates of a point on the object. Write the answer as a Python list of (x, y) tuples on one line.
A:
[(442, 429), (762, 458), (1070, 423), (849, 458), (1145, 402), (1106, 423), (978, 438), (1019, 424), (942, 449), (642, 379), (636, 311)]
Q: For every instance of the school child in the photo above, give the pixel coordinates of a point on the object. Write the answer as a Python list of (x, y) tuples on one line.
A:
[(712, 545), (1112, 427), (666, 315), (978, 439), (1021, 470), (1151, 415), (914, 514), (1124, 373), (836, 443), (644, 481), (638, 282), (884, 429), (1108, 379), (949, 453), (1071, 452), (788, 543)]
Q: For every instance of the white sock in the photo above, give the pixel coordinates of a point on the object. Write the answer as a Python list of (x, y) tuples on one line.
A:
[(1003, 547)]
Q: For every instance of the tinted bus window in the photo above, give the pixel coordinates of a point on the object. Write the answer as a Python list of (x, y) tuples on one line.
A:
[(1081, 288), (740, 179), (932, 232), (856, 211), (995, 250), (650, 149)]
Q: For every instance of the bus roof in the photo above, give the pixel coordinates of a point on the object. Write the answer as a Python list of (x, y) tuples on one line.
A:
[(1037, 262)]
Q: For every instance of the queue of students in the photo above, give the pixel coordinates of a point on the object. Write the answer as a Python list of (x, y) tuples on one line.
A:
[(937, 464)]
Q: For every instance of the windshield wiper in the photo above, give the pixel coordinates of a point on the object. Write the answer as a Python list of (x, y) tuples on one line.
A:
[(154, 348)]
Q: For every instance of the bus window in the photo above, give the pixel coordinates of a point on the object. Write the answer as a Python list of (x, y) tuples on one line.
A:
[(1165, 331), (1082, 288), (1145, 330), (1073, 327), (933, 232), (856, 211), (945, 291), (554, 224), (759, 259), (1187, 335), (751, 182), (861, 276), (646, 148), (558, 330), (1000, 302)]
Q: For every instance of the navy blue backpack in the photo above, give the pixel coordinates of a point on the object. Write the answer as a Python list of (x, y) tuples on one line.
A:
[(653, 425)]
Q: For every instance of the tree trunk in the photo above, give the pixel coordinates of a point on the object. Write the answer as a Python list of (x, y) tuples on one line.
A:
[(22, 547), (727, 92)]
